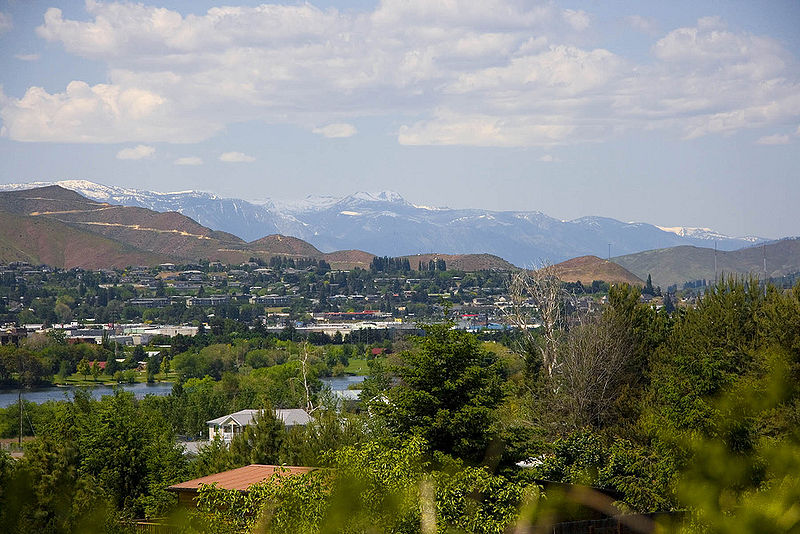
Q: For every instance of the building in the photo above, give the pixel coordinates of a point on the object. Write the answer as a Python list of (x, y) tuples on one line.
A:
[(232, 424), (157, 302), (214, 300), (272, 300), (366, 315), (239, 479), (11, 335)]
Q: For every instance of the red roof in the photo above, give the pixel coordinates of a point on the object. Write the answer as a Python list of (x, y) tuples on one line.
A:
[(240, 479)]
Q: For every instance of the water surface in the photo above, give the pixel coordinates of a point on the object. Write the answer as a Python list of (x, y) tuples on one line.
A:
[(59, 393)]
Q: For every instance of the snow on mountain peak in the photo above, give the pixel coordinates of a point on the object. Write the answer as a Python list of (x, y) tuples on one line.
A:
[(381, 196), (695, 232), (311, 203)]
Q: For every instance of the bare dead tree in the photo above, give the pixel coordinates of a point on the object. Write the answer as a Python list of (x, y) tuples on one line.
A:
[(304, 370), (540, 291), (585, 357), (593, 359)]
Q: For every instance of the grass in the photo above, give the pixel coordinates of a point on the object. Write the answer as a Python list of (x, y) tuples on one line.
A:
[(357, 366), (106, 380)]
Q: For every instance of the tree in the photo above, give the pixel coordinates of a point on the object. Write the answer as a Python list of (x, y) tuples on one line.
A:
[(153, 367), (260, 442), (83, 368), (139, 354), (669, 305), (370, 488), (648, 287), (130, 453), (593, 360), (542, 289), (63, 310), (95, 370), (446, 392)]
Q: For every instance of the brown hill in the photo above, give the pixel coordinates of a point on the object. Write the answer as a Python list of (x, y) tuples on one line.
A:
[(59, 227), (464, 262), (346, 260), (283, 245), (590, 268), (40, 240), (45, 199), (135, 235)]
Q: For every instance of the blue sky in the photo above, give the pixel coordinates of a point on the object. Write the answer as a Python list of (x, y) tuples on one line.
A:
[(672, 113)]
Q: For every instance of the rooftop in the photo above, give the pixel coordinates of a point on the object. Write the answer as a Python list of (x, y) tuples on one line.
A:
[(290, 417), (241, 478)]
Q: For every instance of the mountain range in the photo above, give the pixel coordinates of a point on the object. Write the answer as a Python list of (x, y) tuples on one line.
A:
[(387, 225), (62, 228)]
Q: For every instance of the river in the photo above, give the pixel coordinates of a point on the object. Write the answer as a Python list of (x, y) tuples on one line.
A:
[(140, 389), (38, 396)]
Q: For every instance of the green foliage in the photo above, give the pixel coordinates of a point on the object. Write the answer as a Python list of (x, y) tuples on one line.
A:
[(369, 488), (94, 462), (83, 368), (641, 477), (260, 442), (745, 477), (708, 349), (704, 416), (446, 392), (328, 431), (95, 370)]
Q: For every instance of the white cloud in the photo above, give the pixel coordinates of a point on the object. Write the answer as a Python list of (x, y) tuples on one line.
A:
[(547, 158), (236, 157), (28, 57), (338, 129), (642, 24), (5, 23), (450, 128), (776, 139), (103, 113), (579, 20), (506, 68), (137, 152), (189, 160)]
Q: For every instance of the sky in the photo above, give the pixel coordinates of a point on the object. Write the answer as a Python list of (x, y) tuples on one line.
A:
[(673, 113)]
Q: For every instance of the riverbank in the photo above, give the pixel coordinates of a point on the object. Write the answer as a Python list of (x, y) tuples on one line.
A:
[(77, 380)]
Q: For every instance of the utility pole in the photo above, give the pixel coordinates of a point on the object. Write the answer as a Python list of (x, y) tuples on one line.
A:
[(609, 252)]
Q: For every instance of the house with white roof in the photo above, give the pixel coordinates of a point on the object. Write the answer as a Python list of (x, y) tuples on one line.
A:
[(232, 424)]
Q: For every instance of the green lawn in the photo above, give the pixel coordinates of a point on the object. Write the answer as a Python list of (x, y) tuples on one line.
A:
[(357, 367), (103, 379)]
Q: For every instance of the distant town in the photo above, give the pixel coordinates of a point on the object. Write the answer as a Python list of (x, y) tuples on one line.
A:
[(132, 306)]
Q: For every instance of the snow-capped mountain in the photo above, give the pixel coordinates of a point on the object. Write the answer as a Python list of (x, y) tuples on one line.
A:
[(385, 223), (245, 219), (706, 234)]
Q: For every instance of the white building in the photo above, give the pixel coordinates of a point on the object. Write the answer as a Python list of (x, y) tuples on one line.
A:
[(232, 424)]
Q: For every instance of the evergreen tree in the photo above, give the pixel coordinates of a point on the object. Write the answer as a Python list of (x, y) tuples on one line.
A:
[(260, 442), (447, 391), (669, 306), (648, 287)]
